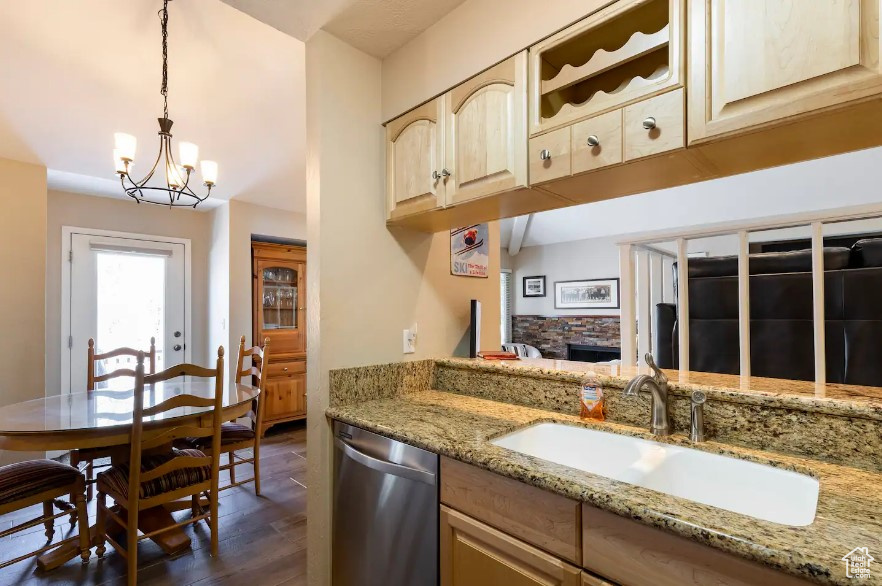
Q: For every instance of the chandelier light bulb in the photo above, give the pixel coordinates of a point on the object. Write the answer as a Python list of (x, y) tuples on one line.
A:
[(119, 162), (125, 145), (189, 154), (209, 172), (175, 176)]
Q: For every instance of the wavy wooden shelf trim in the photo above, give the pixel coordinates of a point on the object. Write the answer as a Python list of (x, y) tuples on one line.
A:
[(635, 47), (601, 96)]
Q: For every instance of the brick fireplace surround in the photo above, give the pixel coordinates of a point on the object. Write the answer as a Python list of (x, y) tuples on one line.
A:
[(551, 334)]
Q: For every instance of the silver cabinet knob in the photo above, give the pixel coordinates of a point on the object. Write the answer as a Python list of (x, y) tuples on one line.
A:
[(436, 175), (649, 123), (285, 369), (177, 347), (445, 173), (545, 154), (593, 141)]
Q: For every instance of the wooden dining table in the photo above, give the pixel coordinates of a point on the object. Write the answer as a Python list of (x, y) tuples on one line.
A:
[(103, 419)]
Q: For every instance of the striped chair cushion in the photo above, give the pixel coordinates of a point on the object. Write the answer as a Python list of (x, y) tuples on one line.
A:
[(25, 479), (116, 478), (231, 433)]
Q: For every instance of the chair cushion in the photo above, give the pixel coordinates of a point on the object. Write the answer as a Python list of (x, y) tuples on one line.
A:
[(25, 479), (116, 478), (231, 433)]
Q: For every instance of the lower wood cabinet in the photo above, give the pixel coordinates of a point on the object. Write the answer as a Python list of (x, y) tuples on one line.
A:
[(475, 554), (285, 393)]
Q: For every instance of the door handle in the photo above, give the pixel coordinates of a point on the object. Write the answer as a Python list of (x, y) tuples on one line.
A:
[(177, 334), (384, 466), (177, 347)]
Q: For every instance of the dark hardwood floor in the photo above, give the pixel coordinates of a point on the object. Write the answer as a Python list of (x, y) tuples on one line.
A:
[(262, 539)]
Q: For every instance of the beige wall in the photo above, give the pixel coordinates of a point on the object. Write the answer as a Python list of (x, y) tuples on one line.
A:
[(104, 213), (23, 258), (247, 220), (365, 282), (474, 36), (232, 226)]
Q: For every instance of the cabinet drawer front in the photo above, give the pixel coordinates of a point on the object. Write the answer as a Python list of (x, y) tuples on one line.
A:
[(474, 554), (277, 369), (632, 553), (604, 130), (668, 131), (557, 164), (546, 520)]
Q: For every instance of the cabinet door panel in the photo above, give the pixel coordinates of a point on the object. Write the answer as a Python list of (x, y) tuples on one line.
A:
[(754, 64), (285, 396), (474, 554), (487, 132), (281, 310), (413, 154)]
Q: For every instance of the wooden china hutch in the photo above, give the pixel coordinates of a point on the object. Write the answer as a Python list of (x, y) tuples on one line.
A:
[(279, 313)]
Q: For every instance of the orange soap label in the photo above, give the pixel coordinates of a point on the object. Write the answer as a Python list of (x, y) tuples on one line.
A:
[(592, 402)]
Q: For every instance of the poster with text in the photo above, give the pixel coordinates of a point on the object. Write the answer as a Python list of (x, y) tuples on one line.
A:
[(470, 251)]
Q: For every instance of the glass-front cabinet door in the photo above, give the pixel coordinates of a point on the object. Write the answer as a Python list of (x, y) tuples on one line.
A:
[(281, 295)]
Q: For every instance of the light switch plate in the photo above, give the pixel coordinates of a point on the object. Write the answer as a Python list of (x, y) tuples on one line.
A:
[(408, 341)]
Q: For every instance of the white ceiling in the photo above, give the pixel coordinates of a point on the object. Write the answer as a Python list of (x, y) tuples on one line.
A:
[(73, 73), (377, 27)]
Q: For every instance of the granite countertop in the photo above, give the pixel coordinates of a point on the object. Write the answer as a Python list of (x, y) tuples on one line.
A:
[(849, 511)]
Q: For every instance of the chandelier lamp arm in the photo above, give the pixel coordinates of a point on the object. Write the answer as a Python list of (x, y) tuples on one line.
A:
[(176, 177)]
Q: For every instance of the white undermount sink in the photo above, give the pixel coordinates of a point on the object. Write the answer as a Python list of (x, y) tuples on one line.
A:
[(740, 486)]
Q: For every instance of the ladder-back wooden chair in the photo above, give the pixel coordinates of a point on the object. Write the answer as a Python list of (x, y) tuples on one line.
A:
[(236, 437), (25, 484), (157, 474), (89, 456)]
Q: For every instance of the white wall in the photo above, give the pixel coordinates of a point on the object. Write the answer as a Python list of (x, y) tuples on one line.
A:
[(597, 258), (471, 38), (102, 213), (219, 281), (365, 283)]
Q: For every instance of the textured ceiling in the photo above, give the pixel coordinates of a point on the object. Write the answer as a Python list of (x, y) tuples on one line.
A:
[(297, 18), (378, 27), (73, 73)]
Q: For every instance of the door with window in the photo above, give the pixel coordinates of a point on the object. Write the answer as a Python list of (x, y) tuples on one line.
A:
[(123, 291)]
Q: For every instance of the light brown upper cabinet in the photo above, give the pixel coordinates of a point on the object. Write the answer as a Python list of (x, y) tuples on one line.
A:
[(486, 133), (756, 64), (414, 153), (623, 53)]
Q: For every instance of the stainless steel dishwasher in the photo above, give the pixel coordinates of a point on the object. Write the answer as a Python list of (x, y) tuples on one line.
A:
[(385, 518)]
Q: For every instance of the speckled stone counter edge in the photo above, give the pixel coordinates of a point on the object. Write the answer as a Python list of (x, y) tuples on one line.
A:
[(860, 407)]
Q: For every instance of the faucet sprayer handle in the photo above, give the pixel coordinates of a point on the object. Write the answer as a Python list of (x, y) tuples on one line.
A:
[(658, 375)]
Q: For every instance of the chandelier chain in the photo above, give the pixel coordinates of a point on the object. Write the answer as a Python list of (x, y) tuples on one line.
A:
[(163, 17)]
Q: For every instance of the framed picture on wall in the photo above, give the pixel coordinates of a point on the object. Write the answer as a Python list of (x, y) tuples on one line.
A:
[(587, 294), (534, 286)]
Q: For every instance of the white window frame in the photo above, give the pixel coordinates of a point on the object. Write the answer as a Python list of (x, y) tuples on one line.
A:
[(66, 234)]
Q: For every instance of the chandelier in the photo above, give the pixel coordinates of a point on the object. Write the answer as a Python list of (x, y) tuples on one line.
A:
[(173, 186)]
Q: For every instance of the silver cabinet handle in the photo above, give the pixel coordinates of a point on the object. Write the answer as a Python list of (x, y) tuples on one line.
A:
[(285, 369), (436, 175), (445, 173), (177, 347), (649, 123), (383, 466), (593, 141), (545, 154)]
